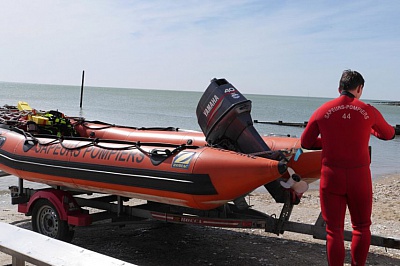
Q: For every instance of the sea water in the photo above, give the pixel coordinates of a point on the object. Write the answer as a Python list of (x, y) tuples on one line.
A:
[(162, 108)]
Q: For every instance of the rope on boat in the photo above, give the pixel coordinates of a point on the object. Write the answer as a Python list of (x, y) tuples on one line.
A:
[(84, 123), (11, 115), (161, 154), (286, 152)]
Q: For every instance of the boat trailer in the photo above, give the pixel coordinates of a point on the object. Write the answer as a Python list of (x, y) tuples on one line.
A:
[(56, 211)]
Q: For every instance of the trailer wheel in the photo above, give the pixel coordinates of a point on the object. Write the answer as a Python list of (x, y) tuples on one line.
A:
[(46, 221)]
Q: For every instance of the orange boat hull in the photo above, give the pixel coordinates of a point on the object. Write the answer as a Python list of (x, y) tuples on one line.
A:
[(196, 177), (308, 165)]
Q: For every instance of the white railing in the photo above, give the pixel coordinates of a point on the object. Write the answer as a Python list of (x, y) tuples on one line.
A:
[(27, 246)]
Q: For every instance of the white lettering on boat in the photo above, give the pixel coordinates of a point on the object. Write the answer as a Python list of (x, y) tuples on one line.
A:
[(57, 150), (210, 105), (232, 92)]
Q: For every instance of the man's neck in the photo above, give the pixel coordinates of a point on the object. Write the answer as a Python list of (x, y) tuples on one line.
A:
[(347, 93)]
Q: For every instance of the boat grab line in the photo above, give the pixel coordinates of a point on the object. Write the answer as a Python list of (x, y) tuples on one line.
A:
[(96, 171)]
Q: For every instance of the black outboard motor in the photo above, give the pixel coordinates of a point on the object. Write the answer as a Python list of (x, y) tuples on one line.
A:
[(223, 114), (224, 117)]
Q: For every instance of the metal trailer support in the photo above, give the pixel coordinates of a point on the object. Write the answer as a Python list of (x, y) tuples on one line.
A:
[(2, 173), (229, 216), (317, 230), (239, 219)]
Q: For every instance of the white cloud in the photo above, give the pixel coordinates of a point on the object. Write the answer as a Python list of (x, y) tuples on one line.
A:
[(291, 48)]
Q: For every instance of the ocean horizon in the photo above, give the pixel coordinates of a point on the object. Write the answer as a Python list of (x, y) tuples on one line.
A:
[(170, 108)]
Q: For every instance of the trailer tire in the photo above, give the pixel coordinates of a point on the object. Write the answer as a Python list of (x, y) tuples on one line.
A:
[(46, 221)]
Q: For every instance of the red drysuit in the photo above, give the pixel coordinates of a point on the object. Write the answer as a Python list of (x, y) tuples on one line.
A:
[(344, 125)]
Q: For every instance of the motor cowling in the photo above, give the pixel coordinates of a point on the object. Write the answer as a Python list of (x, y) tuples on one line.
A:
[(223, 114)]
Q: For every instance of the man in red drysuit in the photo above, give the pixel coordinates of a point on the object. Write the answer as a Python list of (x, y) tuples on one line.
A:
[(344, 125)]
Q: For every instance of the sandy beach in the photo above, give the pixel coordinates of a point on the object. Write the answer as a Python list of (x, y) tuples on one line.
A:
[(154, 243)]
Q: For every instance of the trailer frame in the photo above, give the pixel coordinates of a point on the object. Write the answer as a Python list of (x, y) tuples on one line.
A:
[(70, 207)]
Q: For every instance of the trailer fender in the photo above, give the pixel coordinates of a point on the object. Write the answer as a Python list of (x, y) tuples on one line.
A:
[(65, 204)]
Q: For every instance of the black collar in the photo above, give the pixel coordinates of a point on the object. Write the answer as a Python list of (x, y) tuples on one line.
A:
[(347, 93)]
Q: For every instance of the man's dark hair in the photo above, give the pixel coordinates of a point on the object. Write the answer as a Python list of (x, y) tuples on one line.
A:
[(350, 80)]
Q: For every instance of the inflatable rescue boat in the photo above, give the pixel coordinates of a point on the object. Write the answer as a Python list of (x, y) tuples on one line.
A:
[(201, 170)]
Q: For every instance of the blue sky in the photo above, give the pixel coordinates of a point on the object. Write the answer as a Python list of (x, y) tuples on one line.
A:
[(294, 48)]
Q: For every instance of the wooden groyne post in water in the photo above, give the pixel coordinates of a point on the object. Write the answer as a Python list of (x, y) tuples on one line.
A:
[(281, 123), (304, 124), (83, 81)]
